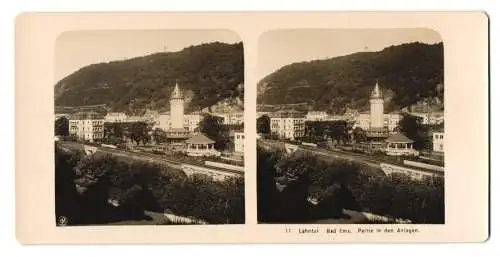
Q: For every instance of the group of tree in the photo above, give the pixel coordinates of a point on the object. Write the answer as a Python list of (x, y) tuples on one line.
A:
[(414, 129), (207, 73), (85, 184), (359, 135), (159, 136), (337, 185), (407, 74), (61, 127), (137, 132), (264, 125), (319, 131), (214, 128)]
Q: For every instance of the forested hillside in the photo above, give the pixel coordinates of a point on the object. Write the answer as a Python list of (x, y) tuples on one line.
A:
[(410, 74), (208, 73)]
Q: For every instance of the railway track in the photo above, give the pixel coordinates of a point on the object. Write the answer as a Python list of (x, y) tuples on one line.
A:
[(336, 154), (143, 156)]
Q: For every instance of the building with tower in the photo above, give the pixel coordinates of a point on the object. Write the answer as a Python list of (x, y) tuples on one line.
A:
[(377, 130), (381, 127), (176, 135), (180, 129)]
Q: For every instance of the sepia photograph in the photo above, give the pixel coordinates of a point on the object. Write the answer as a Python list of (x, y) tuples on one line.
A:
[(350, 127), (149, 127), (251, 127)]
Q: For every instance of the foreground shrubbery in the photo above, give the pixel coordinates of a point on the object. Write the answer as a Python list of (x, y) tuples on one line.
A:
[(338, 185), (85, 186)]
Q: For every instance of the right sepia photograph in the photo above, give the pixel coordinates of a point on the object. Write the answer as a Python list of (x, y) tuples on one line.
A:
[(350, 127)]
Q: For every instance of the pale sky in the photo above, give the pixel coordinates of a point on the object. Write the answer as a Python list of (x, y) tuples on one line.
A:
[(77, 49), (283, 47)]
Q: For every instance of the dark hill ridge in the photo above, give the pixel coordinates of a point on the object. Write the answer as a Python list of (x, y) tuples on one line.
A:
[(409, 74), (208, 73)]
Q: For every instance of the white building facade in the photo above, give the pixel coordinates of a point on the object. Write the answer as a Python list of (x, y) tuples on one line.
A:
[(438, 142), (430, 118), (391, 121), (231, 118), (192, 121), (86, 126), (115, 117), (287, 125), (316, 116), (239, 142)]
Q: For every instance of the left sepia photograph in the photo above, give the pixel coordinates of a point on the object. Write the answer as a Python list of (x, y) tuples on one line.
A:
[(149, 128)]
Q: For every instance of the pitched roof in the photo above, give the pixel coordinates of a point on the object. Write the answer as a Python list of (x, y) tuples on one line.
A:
[(376, 93), (199, 139), (177, 92), (399, 138)]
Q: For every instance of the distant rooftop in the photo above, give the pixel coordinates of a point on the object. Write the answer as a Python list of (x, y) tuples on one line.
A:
[(287, 114), (86, 116), (316, 112)]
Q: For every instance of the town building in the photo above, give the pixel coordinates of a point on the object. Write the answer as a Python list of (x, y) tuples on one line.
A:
[(438, 141), (363, 120), (132, 119), (87, 126), (287, 124), (391, 121), (316, 116), (236, 118), (200, 145), (429, 118), (338, 117), (163, 122), (115, 117), (239, 142), (231, 118), (192, 121)]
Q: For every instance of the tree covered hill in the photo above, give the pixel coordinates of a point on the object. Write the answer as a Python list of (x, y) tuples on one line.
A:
[(207, 73), (410, 74)]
